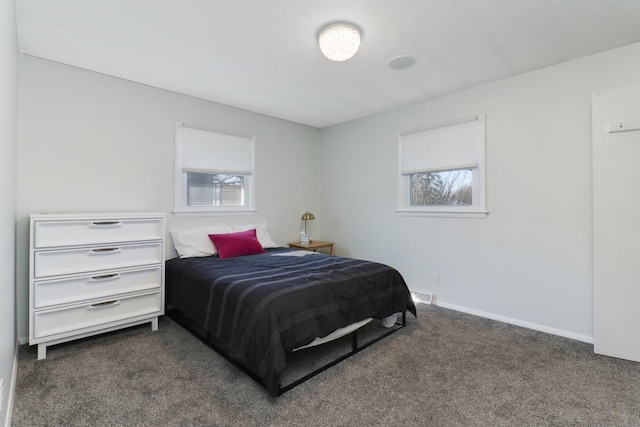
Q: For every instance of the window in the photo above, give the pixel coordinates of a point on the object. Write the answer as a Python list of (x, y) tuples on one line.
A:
[(214, 171), (442, 169), (206, 189)]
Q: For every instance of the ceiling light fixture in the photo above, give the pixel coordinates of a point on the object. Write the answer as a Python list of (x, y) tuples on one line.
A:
[(339, 41)]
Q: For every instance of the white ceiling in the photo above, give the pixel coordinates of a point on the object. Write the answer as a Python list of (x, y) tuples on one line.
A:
[(262, 55)]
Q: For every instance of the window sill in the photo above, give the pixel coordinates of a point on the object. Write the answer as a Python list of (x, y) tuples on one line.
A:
[(443, 213), (203, 213)]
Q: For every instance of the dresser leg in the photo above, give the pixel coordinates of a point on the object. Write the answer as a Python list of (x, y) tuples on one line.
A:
[(154, 324), (42, 351)]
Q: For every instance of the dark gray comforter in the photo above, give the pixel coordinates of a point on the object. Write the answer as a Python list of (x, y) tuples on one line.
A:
[(263, 306)]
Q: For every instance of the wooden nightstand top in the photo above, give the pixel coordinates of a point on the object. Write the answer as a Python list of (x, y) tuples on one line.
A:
[(313, 245)]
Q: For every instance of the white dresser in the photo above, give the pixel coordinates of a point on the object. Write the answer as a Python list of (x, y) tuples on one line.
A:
[(93, 273)]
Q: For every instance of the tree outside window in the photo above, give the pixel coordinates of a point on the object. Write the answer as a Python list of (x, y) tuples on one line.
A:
[(445, 188)]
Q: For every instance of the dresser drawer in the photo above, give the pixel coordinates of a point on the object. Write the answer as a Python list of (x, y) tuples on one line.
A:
[(81, 318), (65, 291), (84, 260), (47, 234)]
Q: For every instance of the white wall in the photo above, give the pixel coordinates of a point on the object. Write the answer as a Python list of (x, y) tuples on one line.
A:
[(90, 142), (8, 85), (530, 261)]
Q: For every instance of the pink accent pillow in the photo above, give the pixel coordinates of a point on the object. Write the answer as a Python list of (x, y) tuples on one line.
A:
[(236, 244)]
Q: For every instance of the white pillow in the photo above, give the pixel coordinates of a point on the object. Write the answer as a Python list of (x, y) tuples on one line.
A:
[(262, 232), (195, 242)]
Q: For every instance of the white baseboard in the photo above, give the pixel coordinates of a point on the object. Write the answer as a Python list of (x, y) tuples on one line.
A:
[(8, 396), (516, 322)]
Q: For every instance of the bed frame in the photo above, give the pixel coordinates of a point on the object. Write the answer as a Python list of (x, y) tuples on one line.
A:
[(216, 345)]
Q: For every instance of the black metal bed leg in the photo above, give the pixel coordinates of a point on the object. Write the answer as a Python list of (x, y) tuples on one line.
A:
[(354, 341)]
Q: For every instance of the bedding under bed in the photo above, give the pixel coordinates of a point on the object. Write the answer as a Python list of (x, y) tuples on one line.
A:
[(261, 307)]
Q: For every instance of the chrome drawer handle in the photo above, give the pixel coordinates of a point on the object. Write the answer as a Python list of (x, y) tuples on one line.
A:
[(104, 251), (104, 277), (104, 304), (106, 224)]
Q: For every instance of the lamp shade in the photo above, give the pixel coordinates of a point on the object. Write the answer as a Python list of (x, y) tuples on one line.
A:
[(307, 216), (339, 41)]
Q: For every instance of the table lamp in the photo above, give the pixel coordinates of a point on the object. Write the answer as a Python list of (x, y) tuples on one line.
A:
[(307, 216)]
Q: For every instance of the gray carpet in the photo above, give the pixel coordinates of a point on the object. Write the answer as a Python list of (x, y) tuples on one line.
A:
[(444, 369)]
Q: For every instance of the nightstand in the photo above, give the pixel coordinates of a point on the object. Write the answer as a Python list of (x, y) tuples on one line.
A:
[(313, 245)]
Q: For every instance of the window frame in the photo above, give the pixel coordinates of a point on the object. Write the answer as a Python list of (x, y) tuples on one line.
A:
[(182, 208), (478, 207)]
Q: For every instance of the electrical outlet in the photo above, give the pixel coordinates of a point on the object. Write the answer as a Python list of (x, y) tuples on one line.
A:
[(436, 278)]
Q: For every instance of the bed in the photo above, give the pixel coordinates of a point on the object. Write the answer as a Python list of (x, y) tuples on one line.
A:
[(258, 308)]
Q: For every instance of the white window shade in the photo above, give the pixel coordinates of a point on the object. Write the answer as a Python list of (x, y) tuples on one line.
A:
[(215, 153), (214, 172), (448, 147)]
